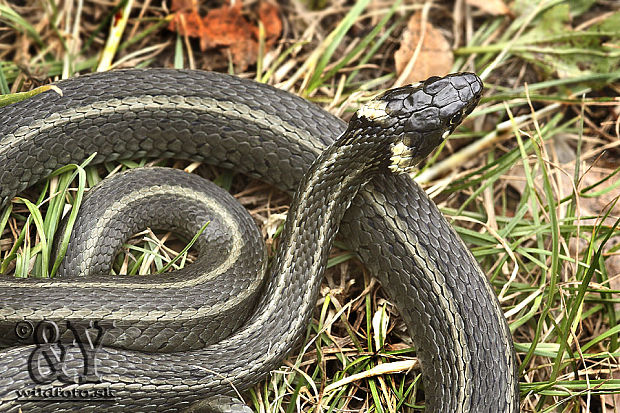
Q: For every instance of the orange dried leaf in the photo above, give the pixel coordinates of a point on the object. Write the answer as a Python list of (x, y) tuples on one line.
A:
[(184, 5), (187, 24), (435, 57), (268, 13), (227, 27)]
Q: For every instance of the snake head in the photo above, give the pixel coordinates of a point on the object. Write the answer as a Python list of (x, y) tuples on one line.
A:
[(416, 118)]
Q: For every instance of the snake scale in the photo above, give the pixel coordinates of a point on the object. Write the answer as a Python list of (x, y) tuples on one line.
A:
[(450, 310)]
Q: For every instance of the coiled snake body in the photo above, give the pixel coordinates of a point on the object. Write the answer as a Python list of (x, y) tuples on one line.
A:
[(462, 338)]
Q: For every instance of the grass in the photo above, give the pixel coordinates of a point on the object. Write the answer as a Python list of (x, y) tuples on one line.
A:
[(530, 183)]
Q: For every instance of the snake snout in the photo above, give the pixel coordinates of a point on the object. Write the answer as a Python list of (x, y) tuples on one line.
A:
[(454, 97)]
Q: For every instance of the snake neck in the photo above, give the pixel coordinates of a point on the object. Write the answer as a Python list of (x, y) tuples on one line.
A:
[(313, 220)]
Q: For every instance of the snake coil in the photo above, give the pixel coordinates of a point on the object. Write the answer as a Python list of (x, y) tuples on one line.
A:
[(451, 312)]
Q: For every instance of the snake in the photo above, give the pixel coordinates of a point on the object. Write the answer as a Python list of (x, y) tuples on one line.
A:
[(351, 180)]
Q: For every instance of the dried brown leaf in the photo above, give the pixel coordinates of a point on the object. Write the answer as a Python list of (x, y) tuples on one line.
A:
[(184, 5), (227, 27), (268, 13), (187, 24), (435, 56)]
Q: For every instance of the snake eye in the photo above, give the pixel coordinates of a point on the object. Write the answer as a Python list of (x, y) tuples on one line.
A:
[(455, 119)]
